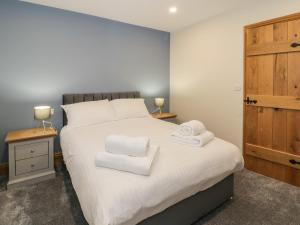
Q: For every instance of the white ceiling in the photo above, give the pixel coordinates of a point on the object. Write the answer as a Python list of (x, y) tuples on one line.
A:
[(148, 13)]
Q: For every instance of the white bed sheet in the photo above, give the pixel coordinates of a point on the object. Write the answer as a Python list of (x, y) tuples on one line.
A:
[(111, 197)]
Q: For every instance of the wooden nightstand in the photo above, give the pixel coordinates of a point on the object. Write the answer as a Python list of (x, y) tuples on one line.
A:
[(170, 117), (30, 155)]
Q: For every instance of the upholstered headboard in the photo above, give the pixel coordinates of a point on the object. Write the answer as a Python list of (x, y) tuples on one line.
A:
[(75, 98)]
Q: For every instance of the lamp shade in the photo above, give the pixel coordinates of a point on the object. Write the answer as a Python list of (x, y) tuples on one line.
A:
[(42, 112), (159, 102)]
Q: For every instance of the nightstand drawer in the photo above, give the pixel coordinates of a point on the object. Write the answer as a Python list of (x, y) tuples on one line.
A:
[(27, 151), (31, 165)]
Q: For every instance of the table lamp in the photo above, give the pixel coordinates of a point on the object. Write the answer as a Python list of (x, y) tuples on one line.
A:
[(42, 113), (159, 102)]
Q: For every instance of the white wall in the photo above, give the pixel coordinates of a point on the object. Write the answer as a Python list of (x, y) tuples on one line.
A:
[(207, 64)]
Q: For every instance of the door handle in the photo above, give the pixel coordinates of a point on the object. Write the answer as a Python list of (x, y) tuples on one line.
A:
[(247, 100), (250, 101), (295, 45), (293, 161)]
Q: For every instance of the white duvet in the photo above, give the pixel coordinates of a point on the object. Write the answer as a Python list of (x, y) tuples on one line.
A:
[(111, 197)]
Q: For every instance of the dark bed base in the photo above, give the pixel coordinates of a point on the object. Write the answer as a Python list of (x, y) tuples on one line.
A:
[(193, 208), (185, 212)]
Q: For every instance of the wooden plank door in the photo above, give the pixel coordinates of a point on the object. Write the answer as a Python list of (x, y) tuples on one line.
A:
[(272, 98)]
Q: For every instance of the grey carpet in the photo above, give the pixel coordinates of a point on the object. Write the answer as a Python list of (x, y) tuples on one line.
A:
[(258, 200)]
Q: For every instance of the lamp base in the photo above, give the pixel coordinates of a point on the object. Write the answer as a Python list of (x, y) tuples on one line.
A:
[(44, 123), (158, 109)]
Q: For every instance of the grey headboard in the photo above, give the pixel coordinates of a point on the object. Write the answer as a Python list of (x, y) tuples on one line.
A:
[(75, 98)]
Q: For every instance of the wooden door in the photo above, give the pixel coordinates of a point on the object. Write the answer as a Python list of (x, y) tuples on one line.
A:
[(272, 98)]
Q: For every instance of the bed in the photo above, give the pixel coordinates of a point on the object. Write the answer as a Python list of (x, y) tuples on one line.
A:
[(185, 183)]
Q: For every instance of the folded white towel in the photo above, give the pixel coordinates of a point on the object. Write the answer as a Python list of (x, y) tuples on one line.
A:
[(136, 165), (191, 128), (199, 140), (132, 146)]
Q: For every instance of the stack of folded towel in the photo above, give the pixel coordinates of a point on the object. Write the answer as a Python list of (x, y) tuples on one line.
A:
[(130, 154), (193, 133)]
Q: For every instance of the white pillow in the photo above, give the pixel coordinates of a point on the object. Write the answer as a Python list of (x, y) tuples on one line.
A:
[(88, 113), (129, 108)]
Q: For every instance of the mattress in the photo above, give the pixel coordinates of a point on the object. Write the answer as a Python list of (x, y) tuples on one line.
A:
[(111, 197)]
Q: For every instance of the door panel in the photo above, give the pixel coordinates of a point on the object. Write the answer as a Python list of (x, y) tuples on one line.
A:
[(265, 127), (280, 74), (294, 74), (280, 61), (251, 75), (280, 32), (265, 74), (260, 35), (251, 124), (272, 99), (279, 141), (294, 29), (293, 132)]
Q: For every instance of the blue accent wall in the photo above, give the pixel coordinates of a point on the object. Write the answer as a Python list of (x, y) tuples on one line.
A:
[(46, 52)]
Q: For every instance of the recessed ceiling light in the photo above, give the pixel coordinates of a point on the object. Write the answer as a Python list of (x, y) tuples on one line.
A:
[(173, 9)]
